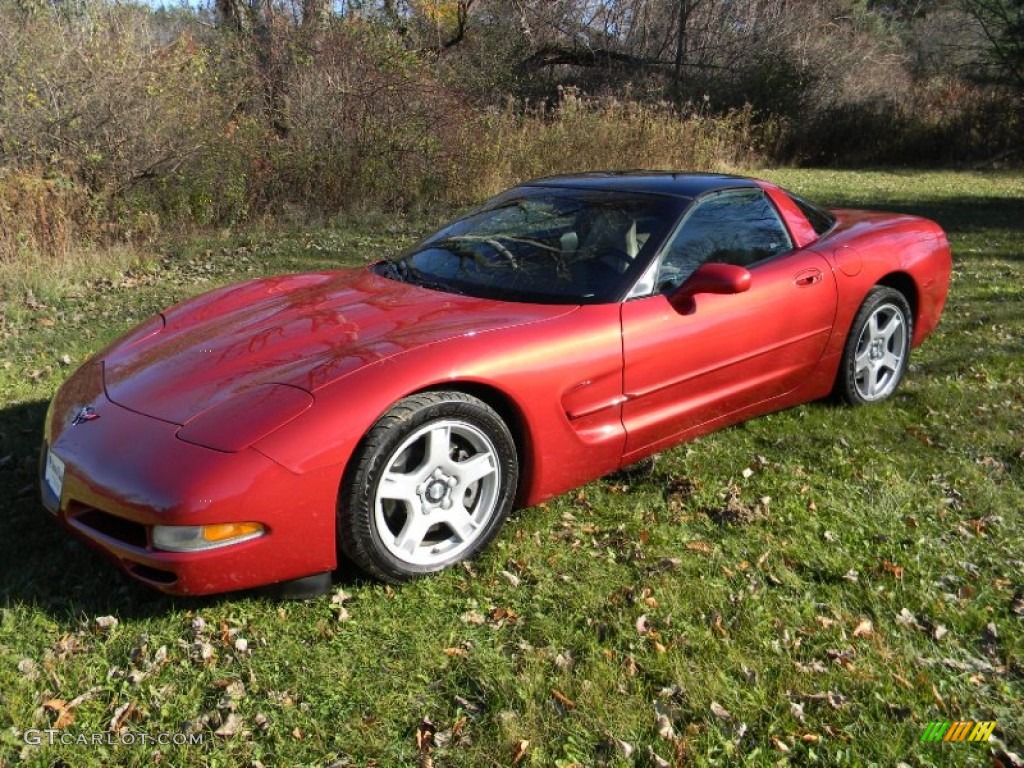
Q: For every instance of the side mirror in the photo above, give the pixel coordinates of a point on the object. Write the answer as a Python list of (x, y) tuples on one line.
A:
[(710, 278)]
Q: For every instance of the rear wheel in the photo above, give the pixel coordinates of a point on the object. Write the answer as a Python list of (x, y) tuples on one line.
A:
[(877, 349), (430, 485)]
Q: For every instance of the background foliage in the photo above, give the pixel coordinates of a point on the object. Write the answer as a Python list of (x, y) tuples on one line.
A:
[(118, 121)]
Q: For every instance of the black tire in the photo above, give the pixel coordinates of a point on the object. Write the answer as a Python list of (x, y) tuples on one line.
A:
[(874, 363), (372, 525)]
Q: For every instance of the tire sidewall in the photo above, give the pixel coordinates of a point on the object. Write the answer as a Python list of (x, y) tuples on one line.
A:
[(374, 455), (877, 297)]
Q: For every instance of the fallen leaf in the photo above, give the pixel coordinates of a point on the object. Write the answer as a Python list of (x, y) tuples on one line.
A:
[(978, 527), (106, 623), (519, 751), (699, 546), (63, 712), (797, 711), (121, 715), (231, 726), (864, 628), (892, 568), (643, 625), (562, 699), (501, 616), (835, 700), (1017, 605), (719, 711), (425, 736), (665, 729), (906, 619), (472, 617)]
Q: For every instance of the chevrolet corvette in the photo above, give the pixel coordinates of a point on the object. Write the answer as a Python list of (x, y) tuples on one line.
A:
[(391, 416)]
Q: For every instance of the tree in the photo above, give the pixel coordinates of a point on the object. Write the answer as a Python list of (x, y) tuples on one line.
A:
[(1002, 23)]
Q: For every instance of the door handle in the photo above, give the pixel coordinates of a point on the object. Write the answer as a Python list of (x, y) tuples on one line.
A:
[(808, 277)]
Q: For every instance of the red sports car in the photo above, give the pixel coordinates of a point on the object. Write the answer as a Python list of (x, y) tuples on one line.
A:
[(394, 414)]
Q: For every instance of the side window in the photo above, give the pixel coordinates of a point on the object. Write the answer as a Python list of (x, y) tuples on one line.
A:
[(820, 220), (740, 227)]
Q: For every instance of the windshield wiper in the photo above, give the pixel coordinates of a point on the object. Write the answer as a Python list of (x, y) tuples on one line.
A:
[(404, 272), (389, 268)]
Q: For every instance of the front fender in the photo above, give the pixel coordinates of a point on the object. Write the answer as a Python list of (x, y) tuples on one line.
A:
[(563, 376)]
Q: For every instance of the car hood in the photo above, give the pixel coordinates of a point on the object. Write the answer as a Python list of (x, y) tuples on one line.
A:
[(305, 331)]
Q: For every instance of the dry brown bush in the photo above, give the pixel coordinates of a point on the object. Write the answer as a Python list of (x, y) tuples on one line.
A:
[(92, 107)]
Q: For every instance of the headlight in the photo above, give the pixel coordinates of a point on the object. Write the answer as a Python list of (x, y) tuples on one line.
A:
[(240, 420), (196, 538)]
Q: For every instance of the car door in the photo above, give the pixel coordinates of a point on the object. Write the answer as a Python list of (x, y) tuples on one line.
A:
[(723, 353)]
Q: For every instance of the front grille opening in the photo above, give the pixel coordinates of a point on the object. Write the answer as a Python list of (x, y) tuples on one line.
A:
[(125, 531), (153, 575)]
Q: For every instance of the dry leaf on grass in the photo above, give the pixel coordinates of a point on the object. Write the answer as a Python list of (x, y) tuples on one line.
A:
[(519, 751), (425, 734), (663, 721), (896, 571), (562, 699), (643, 625), (230, 727), (64, 715), (121, 716), (864, 628)]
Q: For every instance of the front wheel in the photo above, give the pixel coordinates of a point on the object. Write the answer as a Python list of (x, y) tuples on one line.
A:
[(877, 348), (430, 485)]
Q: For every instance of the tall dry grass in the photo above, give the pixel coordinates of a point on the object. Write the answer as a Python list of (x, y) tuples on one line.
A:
[(503, 148), (117, 123)]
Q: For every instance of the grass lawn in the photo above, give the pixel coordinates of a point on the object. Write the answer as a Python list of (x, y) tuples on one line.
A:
[(813, 587)]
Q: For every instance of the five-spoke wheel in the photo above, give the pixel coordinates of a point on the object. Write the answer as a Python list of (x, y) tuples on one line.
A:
[(878, 347), (430, 485)]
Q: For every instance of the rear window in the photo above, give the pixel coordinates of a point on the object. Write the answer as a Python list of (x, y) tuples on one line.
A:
[(821, 220)]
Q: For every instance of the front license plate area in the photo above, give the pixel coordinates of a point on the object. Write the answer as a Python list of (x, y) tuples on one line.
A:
[(54, 474)]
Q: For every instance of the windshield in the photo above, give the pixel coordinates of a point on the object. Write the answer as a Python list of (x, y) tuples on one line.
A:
[(564, 246)]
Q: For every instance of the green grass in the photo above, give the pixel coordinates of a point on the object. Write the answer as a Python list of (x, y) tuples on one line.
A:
[(753, 584)]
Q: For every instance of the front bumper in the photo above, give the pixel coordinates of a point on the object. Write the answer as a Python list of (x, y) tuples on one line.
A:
[(125, 472)]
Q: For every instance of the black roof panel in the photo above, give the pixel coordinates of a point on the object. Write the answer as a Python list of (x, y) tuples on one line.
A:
[(660, 182)]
